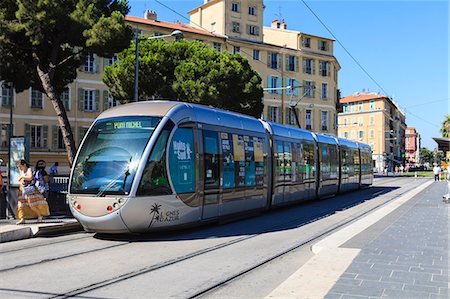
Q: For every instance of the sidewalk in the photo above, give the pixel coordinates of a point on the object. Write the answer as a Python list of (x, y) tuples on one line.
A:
[(399, 251), (9, 231)]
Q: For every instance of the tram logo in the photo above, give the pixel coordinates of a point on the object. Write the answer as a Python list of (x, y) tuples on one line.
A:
[(159, 215)]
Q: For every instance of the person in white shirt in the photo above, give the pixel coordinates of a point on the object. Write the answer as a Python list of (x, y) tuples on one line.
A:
[(437, 172)]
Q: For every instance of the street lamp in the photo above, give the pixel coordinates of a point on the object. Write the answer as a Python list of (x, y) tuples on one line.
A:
[(176, 33)]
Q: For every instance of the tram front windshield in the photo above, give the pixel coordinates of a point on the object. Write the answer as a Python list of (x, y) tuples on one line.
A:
[(109, 157)]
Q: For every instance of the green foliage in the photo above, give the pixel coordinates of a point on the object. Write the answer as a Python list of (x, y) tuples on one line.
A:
[(188, 71), (55, 35), (445, 128), (426, 155)]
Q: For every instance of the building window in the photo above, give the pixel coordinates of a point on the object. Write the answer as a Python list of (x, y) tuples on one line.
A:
[(252, 10), (361, 135), (36, 136), (306, 42), (292, 64), (323, 45), (113, 59), (89, 100), (360, 121), (65, 98), (273, 60), (213, 27), (346, 135), (353, 121), (89, 63), (256, 55), (112, 102), (252, 30), (58, 141), (308, 87), (217, 46), (324, 120), (372, 120), (345, 108), (236, 50), (308, 119), (4, 135), (274, 83), (236, 27), (372, 105), (308, 66), (324, 68), (273, 113), (372, 134), (236, 7), (292, 87), (291, 116), (353, 135), (352, 107), (7, 94), (324, 91), (36, 98), (345, 121)]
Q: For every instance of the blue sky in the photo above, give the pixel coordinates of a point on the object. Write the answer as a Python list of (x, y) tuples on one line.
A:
[(403, 45)]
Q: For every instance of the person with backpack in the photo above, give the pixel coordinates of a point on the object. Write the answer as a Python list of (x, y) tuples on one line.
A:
[(41, 178)]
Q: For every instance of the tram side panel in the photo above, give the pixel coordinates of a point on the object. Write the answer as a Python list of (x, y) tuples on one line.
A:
[(328, 164)]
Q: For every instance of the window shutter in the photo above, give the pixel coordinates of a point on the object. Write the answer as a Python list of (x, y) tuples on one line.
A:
[(28, 132), (45, 134), (287, 66), (288, 91), (96, 63), (81, 99), (105, 62), (54, 137), (97, 100), (314, 89), (296, 88), (296, 64), (313, 64), (304, 66), (279, 62), (105, 100), (279, 84), (328, 69), (269, 84), (320, 67), (269, 55)]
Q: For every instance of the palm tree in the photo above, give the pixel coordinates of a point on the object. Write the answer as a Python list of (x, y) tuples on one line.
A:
[(445, 129)]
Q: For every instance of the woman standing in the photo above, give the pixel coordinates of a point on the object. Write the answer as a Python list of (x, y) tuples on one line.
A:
[(31, 203)]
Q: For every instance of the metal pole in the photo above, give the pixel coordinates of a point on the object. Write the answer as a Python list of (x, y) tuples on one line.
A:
[(8, 198), (136, 76)]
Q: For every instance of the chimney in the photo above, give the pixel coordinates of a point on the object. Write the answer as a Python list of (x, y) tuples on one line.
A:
[(150, 15), (284, 25), (275, 24)]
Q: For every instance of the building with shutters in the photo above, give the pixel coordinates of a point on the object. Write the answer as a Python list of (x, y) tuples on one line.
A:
[(282, 57), (376, 120), (412, 146)]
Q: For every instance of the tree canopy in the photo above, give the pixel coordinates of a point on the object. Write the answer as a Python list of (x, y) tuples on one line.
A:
[(44, 42), (188, 71), (445, 128)]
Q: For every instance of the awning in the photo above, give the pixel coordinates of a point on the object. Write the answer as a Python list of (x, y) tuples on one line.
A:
[(443, 144)]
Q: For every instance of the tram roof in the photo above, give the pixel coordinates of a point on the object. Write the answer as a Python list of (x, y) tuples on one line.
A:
[(322, 138), (346, 142), (184, 112), (288, 131)]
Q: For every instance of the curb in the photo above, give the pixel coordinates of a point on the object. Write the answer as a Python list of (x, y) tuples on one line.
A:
[(12, 232)]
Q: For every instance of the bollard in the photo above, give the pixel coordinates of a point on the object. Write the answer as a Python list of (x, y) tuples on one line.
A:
[(415, 174)]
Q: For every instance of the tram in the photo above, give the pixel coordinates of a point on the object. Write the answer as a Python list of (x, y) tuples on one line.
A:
[(157, 165)]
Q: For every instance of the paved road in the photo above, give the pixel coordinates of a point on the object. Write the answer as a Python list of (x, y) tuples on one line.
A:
[(188, 263)]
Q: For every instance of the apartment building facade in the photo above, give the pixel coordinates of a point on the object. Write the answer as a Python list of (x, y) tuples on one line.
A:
[(412, 146), (378, 121), (235, 26)]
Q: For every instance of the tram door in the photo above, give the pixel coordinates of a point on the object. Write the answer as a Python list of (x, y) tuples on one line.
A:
[(211, 175)]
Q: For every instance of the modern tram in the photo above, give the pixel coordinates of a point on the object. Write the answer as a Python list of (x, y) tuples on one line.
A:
[(156, 165)]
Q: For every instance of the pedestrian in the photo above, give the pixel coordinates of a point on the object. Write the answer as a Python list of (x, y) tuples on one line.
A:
[(401, 168), (385, 170), (31, 203), (396, 169), (54, 168), (448, 171), (41, 178), (437, 172)]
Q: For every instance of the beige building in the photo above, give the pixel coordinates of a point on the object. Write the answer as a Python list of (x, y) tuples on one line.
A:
[(378, 121), (282, 57)]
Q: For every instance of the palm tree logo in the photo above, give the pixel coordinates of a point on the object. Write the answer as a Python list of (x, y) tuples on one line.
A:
[(155, 213)]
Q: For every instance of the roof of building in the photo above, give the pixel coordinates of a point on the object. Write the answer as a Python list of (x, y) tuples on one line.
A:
[(168, 25), (362, 97), (443, 143)]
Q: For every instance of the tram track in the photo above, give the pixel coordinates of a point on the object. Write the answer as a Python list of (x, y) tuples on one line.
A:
[(158, 266)]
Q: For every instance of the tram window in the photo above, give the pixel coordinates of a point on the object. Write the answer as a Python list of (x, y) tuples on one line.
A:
[(309, 161), (279, 167), (296, 163), (334, 163), (259, 161), (228, 160), (287, 162), (249, 161), (154, 178), (182, 161), (239, 160), (325, 165), (211, 159), (108, 160)]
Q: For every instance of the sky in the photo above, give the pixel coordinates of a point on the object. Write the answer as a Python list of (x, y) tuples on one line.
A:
[(402, 45)]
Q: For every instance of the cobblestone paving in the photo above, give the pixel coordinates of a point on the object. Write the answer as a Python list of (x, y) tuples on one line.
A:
[(409, 259)]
